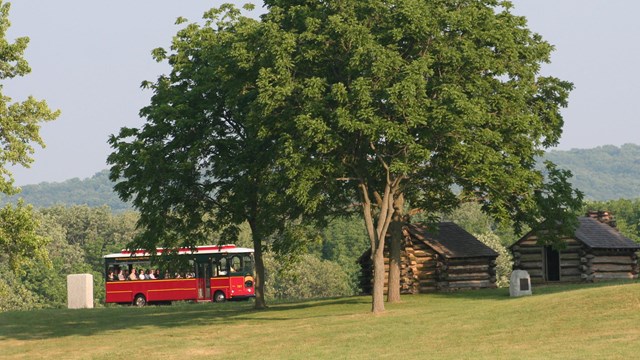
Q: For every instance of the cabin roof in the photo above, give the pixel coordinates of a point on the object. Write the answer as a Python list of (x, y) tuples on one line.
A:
[(450, 240), (598, 235)]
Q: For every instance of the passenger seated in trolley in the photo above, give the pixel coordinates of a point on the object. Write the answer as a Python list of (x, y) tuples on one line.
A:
[(134, 274)]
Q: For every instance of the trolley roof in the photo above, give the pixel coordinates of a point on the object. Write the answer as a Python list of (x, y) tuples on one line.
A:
[(200, 250)]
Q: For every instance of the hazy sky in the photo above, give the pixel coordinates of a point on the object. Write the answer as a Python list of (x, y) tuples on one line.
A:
[(89, 58)]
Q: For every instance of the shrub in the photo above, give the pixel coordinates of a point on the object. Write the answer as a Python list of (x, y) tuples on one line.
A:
[(504, 262), (308, 278)]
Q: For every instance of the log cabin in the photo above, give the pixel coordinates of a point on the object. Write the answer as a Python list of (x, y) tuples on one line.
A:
[(597, 251), (439, 257)]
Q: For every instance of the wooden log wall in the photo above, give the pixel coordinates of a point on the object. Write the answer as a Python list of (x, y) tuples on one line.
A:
[(466, 273), (423, 270), (529, 256), (598, 265), (423, 263), (577, 262)]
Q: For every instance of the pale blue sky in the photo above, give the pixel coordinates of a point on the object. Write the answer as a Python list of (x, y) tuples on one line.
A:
[(89, 58)]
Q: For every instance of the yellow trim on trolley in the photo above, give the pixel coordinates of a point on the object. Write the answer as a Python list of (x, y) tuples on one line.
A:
[(119, 292), (159, 290)]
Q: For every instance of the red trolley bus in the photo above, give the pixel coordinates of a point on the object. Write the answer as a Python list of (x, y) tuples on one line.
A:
[(209, 273)]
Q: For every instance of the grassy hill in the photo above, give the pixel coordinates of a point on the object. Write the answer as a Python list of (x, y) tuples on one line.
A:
[(558, 322)]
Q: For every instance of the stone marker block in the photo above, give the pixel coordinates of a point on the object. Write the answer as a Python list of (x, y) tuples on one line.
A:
[(80, 291), (520, 283)]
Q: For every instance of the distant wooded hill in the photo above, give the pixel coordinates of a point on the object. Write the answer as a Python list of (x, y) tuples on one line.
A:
[(94, 191), (602, 173)]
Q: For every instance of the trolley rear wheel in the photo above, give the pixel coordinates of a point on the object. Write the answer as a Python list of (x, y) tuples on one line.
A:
[(219, 296)]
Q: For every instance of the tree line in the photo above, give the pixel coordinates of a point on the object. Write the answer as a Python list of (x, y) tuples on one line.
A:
[(78, 236)]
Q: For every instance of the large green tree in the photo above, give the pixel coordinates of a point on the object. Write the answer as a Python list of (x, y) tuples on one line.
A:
[(412, 100), (19, 131), (200, 166)]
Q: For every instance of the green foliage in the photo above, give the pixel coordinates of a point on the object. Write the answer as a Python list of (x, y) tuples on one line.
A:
[(343, 241), (308, 278), (20, 122), (96, 231), (199, 156), (413, 101), (18, 238), (470, 217), (625, 212), (203, 163), (78, 238), (14, 295), (371, 91), (19, 131), (504, 262)]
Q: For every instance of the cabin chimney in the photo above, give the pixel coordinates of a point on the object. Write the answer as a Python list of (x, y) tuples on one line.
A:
[(603, 216)]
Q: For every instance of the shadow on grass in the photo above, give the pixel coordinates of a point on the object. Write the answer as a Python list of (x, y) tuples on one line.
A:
[(317, 303), (57, 323)]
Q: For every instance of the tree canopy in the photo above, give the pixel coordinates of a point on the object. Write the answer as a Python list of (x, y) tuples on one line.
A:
[(327, 106), (19, 130), (411, 100), (200, 165)]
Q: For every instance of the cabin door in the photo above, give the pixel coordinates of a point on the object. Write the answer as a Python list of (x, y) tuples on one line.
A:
[(552, 264), (203, 277)]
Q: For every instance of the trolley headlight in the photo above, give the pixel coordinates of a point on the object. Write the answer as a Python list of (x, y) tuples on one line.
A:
[(248, 281)]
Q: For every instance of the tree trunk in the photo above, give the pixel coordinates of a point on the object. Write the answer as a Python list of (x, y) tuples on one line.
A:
[(395, 230), (393, 294), (259, 275), (376, 236), (259, 279), (377, 253), (377, 304)]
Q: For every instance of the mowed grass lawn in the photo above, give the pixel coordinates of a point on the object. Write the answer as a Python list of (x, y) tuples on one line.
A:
[(559, 322)]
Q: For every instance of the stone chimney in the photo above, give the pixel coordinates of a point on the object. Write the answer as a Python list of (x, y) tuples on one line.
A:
[(603, 216)]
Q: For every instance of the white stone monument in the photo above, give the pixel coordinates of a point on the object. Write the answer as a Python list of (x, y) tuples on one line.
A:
[(519, 283), (80, 291)]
